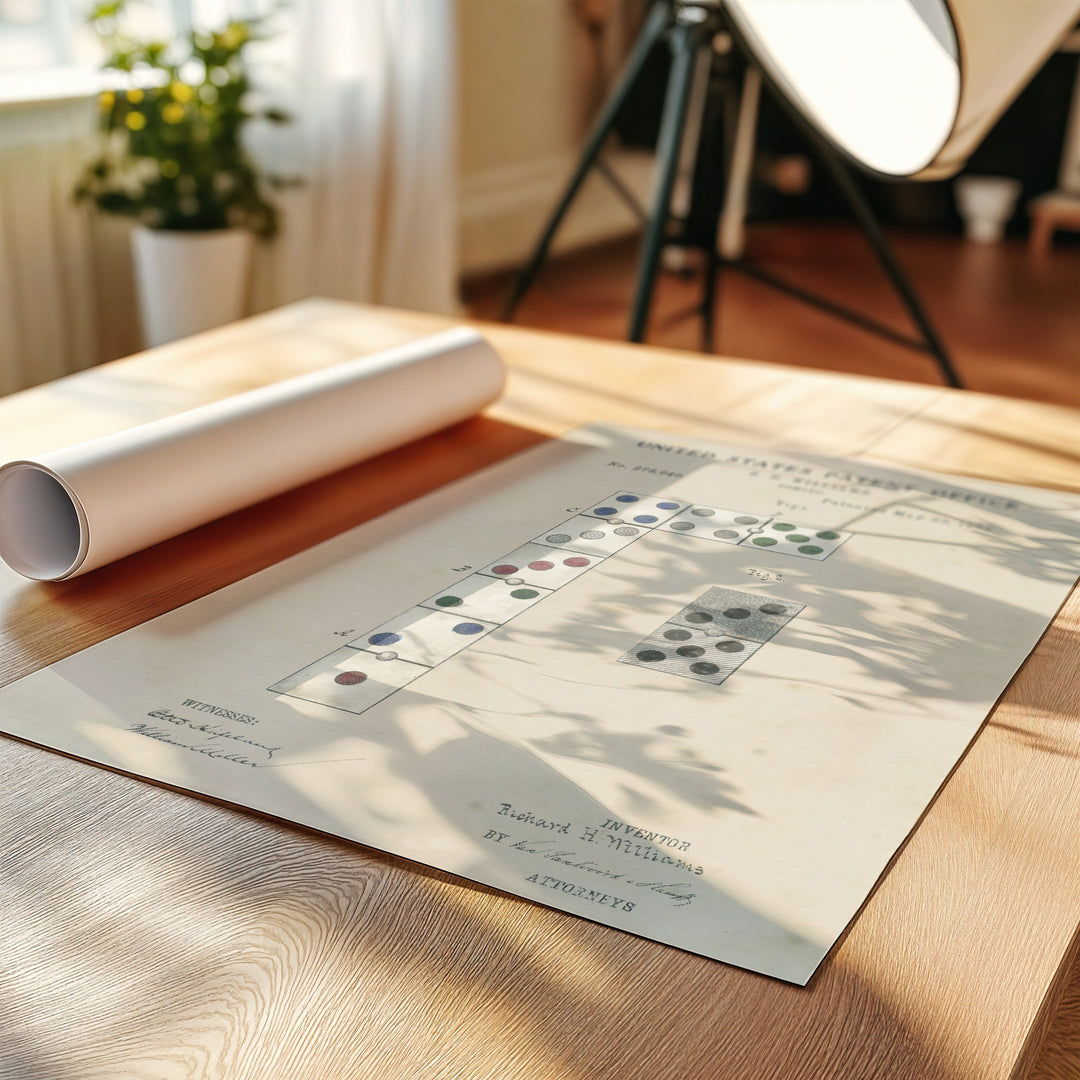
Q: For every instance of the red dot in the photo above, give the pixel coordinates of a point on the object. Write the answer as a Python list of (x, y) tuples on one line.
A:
[(350, 678), (577, 561), (541, 564), (504, 568)]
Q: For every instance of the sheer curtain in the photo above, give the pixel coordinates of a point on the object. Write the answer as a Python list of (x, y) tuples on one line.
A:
[(372, 88), (46, 320)]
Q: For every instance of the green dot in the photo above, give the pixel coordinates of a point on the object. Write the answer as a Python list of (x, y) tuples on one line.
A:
[(828, 534), (783, 526), (811, 549), (524, 594), (764, 541), (448, 601), (796, 538)]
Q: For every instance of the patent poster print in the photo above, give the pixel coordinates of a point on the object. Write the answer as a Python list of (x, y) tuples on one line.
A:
[(699, 693)]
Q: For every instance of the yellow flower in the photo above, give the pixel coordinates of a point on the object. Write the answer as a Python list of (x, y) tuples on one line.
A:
[(135, 121), (106, 100), (172, 113), (170, 168), (180, 91), (135, 96), (233, 36)]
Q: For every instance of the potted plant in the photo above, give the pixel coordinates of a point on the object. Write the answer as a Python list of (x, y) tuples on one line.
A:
[(172, 158)]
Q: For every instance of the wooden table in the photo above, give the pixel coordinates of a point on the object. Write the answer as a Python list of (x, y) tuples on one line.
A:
[(151, 934)]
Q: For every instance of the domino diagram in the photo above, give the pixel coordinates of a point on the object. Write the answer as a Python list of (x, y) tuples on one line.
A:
[(707, 640)]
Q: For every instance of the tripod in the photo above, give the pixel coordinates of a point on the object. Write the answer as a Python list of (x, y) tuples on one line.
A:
[(690, 27)]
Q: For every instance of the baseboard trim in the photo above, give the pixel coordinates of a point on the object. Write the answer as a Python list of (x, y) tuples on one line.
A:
[(503, 209)]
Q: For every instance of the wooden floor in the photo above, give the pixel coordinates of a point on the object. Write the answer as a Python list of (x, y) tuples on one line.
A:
[(1010, 320)]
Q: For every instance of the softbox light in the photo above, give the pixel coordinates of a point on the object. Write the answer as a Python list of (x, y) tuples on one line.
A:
[(906, 88)]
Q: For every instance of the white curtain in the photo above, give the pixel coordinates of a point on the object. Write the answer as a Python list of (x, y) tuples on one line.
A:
[(372, 88)]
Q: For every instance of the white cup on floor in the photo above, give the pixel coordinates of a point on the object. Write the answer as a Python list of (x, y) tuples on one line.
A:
[(986, 203)]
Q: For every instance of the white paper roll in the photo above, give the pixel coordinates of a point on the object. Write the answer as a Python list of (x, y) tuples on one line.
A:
[(69, 511)]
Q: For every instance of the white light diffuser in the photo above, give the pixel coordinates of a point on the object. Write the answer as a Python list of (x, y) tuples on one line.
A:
[(905, 87)]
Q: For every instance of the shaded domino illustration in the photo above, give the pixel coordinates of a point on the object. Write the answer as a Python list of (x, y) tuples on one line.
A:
[(690, 653), (805, 541), (713, 523), (750, 616), (349, 679), (493, 599), (422, 636), (713, 636), (629, 508), (537, 564), (592, 536)]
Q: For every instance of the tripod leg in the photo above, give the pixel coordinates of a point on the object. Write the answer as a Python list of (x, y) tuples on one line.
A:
[(686, 38), (731, 233), (709, 301), (739, 120), (652, 31), (869, 223)]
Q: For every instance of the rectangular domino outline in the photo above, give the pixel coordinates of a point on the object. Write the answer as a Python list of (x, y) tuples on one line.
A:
[(751, 533), (703, 635)]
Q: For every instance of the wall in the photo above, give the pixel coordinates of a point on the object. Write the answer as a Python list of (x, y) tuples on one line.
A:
[(530, 80)]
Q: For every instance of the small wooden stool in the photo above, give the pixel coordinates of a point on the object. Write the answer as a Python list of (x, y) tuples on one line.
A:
[(1049, 212)]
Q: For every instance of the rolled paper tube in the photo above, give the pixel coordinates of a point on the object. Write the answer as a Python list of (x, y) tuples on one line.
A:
[(70, 511)]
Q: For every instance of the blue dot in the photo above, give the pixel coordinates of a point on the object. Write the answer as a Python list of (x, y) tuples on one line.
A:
[(605, 510), (668, 506), (626, 498), (468, 628), (384, 639), (645, 518)]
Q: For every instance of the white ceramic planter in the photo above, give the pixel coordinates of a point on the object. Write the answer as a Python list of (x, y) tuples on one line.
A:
[(189, 281), (986, 203)]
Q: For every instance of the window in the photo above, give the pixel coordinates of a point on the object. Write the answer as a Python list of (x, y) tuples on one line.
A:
[(47, 51)]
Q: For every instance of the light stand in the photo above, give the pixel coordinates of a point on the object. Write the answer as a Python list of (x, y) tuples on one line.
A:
[(689, 27)]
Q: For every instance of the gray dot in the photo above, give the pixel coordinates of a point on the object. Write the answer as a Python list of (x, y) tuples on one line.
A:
[(703, 668), (559, 538), (730, 646), (726, 534), (627, 530), (682, 526), (702, 511), (514, 581), (773, 609), (690, 650), (389, 654), (744, 519), (651, 656), (678, 635), (592, 534), (699, 617), (736, 613)]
